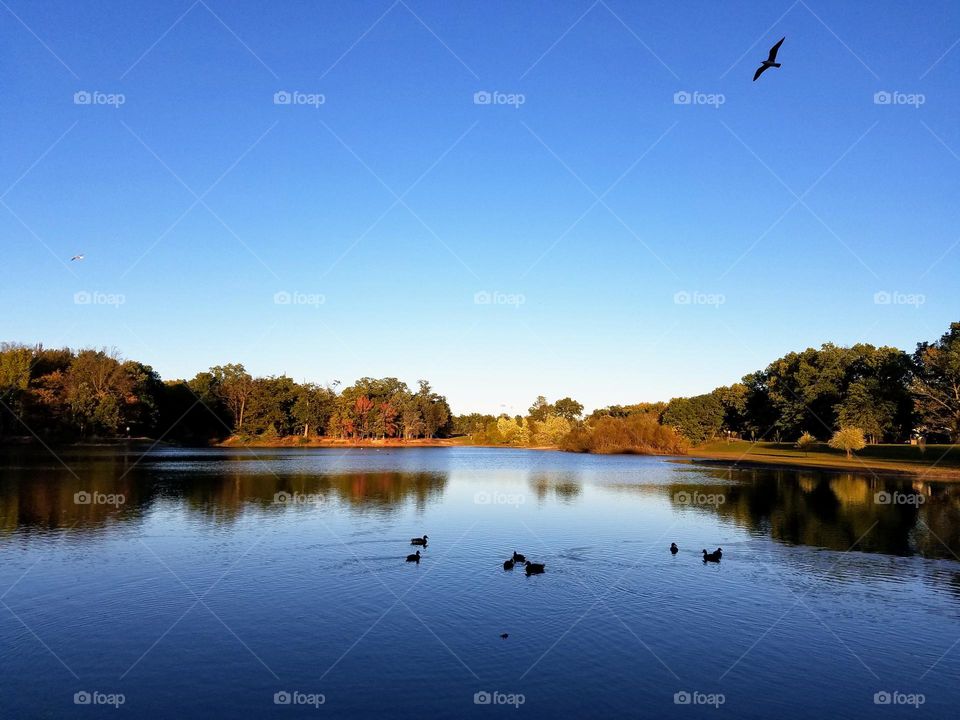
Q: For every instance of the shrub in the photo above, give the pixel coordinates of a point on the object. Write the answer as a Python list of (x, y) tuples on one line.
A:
[(639, 434), (848, 439)]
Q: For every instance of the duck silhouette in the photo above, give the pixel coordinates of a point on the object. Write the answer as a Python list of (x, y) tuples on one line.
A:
[(416, 557), (674, 549), (517, 557), (714, 556), (419, 541), (535, 568), (771, 61), (508, 564)]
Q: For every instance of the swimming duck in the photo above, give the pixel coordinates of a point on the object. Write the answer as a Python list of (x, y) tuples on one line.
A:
[(674, 549), (535, 568), (517, 557), (508, 564), (712, 557), (414, 558), (419, 541)]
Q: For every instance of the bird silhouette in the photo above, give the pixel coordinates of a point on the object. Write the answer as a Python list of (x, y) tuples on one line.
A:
[(76, 257), (771, 61), (414, 558)]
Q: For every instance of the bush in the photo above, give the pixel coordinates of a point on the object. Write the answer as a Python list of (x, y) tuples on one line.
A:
[(806, 441), (848, 439), (639, 434)]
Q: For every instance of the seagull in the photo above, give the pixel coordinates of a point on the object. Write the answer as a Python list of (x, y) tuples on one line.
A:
[(770, 61), (77, 257)]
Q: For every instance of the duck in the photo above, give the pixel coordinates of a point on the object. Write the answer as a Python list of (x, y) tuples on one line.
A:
[(414, 558), (535, 568), (714, 556), (508, 564), (674, 549), (517, 557), (504, 636), (419, 541)]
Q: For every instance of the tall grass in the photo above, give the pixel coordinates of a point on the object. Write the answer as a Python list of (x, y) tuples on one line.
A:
[(639, 434)]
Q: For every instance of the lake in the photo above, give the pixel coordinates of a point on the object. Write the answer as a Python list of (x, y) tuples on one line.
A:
[(272, 583)]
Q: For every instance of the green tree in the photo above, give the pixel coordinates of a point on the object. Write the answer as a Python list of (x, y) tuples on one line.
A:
[(568, 408), (936, 385)]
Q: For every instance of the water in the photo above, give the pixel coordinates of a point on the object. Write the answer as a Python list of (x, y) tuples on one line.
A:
[(205, 592)]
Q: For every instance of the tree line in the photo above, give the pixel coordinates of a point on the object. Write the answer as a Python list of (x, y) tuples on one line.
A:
[(883, 394), (887, 394), (62, 394)]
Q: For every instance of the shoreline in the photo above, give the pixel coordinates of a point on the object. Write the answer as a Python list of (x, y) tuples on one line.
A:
[(860, 465)]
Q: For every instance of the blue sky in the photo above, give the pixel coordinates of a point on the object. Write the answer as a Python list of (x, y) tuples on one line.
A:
[(632, 247)]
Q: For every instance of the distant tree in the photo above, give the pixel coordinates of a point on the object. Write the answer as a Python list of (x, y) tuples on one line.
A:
[(936, 385), (697, 418), (235, 386), (865, 407), (540, 409), (568, 408), (848, 439)]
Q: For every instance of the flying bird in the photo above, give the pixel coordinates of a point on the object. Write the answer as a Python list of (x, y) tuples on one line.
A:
[(771, 61), (77, 257)]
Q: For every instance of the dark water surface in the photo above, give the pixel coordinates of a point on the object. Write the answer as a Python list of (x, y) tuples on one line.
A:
[(199, 584)]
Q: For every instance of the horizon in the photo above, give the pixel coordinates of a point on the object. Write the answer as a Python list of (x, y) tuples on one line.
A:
[(622, 230)]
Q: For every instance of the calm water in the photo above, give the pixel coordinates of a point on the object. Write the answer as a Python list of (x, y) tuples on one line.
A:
[(205, 592)]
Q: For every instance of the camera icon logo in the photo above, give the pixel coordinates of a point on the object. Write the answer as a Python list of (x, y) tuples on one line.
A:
[(82, 297), (682, 97), (282, 698), (282, 298), (481, 298), (882, 498), (882, 97), (681, 298), (82, 698), (82, 97), (282, 97), (82, 498), (682, 698), (281, 498), (882, 698), (882, 298), (682, 497), (482, 698), (482, 97)]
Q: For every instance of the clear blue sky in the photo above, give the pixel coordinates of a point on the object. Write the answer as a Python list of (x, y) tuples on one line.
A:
[(304, 199)]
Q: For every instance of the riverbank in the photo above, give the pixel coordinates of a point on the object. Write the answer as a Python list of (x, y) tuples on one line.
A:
[(940, 462)]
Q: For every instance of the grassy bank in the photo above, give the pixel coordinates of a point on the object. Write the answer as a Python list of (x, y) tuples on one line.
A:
[(314, 442), (939, 461)]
